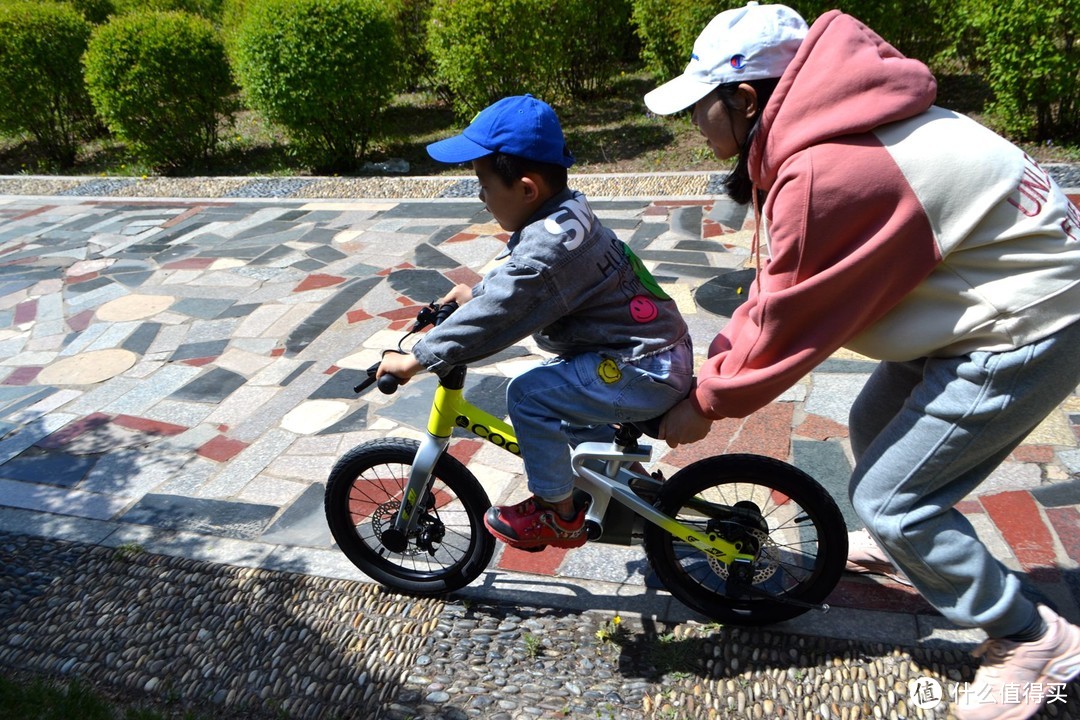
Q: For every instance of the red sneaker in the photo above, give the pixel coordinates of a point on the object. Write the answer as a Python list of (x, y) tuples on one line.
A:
[(531, 525)]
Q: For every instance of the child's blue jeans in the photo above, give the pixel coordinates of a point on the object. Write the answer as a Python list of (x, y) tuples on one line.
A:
[(566, 401), (924, 434)]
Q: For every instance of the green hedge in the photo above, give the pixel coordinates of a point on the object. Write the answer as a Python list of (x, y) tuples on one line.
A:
[(41, 84), (668, 28), (1029, 53), (484, 50), (161, 82), (324, 70), (209, 9)]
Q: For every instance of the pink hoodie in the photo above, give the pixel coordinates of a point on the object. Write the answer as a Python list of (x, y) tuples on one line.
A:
[(894, 227)]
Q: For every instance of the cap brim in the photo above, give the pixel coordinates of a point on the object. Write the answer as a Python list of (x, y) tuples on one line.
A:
[(677, 94), (457, 149)]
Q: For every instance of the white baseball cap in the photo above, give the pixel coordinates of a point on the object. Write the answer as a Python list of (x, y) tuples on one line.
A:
[(747, 43)]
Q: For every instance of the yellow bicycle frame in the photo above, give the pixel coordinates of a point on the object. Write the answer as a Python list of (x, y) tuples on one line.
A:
[(450, 410)]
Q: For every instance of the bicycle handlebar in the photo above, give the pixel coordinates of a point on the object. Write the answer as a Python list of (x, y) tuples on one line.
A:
[(430, 314)]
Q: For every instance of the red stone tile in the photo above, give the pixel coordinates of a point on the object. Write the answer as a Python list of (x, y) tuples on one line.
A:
[(655, 209), (1034, 453), (194, 263), (405, 313), (878, 594), (1066, 523), (464, 275), (73, 430), (277, 352), (355, 316), (711, 229), (682, 203), (462, 237), (545, 562), (22, 376), (153, 427), (1021, 524), (25, 311), (221, 448), (1075, 199), (35, 211), (715, 443), (80, 321), (971, 507), (76, 279), (816, 427), (464, 450), (331, 370), (318, 280), (177, 219), (199, 362)]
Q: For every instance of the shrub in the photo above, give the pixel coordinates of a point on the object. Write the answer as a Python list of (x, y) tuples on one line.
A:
[(410, 19), (161, 82), (210, 9), (484, 50), (322, 69), (668, 28), (595, 37), (1029, 53), (95, 11), (41, 85)]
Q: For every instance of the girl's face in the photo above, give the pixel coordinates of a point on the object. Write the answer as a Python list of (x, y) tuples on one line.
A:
[(724, 128)]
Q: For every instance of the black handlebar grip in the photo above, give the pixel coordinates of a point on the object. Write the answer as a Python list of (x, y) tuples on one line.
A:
[(388, 384), (445, 311)]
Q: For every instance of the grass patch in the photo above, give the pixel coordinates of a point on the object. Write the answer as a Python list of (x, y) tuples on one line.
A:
[(614, 133), (25, 696)]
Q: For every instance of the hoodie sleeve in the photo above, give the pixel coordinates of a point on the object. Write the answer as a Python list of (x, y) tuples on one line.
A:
[(847, 243)]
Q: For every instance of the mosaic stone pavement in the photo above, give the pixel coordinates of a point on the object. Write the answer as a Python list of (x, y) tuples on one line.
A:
[(178, 374)]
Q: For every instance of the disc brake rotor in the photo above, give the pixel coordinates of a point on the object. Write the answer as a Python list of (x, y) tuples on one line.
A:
[(765, 565), (383, 518)]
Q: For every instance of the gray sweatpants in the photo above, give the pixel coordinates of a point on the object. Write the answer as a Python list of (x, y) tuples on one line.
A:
[(924, 434)]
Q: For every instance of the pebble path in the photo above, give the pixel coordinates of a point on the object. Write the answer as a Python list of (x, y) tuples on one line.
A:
[(267, 644)]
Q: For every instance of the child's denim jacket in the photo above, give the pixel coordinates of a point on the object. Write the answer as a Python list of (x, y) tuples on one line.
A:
[(570, 283)]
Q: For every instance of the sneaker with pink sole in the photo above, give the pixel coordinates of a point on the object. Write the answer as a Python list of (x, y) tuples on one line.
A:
[(1017, 677), (864, 556)]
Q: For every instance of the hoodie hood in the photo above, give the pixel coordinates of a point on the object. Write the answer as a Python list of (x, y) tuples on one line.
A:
[(844, 80)]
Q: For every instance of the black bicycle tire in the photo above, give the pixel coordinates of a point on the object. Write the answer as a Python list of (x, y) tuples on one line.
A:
[(815, 501), (382, 568)]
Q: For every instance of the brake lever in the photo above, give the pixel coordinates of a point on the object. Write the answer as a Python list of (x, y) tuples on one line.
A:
[(370, 379)]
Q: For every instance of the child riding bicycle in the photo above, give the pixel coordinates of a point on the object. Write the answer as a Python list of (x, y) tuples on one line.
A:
[(623, 352)]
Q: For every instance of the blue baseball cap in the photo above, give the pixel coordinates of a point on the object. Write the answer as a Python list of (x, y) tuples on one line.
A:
[(520, 125)]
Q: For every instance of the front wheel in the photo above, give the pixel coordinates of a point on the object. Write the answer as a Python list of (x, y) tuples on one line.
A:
[(449, 547), (773, 511)]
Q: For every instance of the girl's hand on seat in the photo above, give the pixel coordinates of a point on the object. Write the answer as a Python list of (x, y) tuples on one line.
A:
[(683, 425)]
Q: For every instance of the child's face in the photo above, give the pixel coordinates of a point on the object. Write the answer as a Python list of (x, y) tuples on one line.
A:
[(508, 204)]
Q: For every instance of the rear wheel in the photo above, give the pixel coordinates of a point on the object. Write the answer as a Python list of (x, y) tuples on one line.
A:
[(775, 512), (450, 546)]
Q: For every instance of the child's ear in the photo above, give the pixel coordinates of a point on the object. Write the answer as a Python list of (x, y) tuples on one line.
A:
[(534, 188), (530, 188)]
